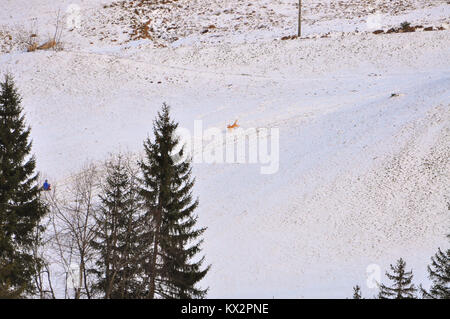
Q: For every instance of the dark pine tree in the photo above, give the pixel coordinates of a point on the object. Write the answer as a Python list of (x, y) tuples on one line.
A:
[(439, 273), (167, 193), (402, 287), (119, 225), (20, 206), (6, 292), (357, 292)]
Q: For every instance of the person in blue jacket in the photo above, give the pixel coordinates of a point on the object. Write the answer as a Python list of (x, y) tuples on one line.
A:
[(46, 186)]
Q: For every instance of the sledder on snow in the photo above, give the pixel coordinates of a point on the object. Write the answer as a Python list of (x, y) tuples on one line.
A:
[(234, 125), (47, 186)]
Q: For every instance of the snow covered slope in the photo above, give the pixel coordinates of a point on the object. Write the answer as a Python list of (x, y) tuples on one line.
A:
[(103, 23), (364, 176)]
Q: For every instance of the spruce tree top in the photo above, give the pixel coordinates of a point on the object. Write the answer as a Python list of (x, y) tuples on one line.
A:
[(357, 292), (439, 273), (402, 287), (14, 144)]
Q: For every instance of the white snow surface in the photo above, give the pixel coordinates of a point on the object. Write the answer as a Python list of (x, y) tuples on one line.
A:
[(364, 177)]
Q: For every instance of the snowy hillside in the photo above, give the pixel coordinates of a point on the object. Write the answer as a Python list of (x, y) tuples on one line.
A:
[(106, 23), (364, 120)]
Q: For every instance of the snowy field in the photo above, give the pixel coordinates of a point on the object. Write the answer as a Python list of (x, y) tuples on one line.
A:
[(364, 175)]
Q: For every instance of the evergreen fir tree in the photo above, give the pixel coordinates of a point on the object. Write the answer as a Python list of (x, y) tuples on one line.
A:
[(6, 292), (402, 288), (357, 292), (20, 206), (439, 273), (119, 226), (167, 193)]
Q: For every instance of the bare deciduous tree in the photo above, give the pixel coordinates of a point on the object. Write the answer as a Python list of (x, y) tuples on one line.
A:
[(73, 221), (43, 276)]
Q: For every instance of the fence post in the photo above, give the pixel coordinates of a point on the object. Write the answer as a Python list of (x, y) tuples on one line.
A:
[(299, 18)]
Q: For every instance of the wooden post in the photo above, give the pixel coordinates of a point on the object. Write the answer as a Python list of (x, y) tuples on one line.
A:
[(299, 18)]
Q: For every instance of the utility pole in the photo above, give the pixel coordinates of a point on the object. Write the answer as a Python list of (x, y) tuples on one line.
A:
[(299, 18)]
